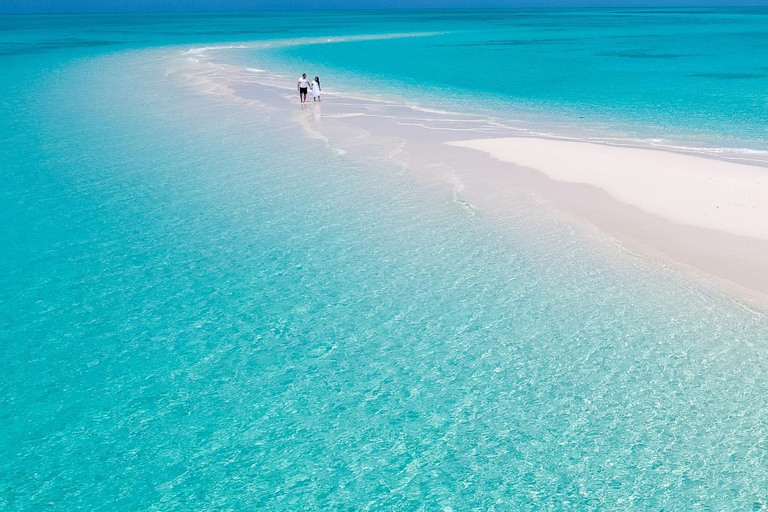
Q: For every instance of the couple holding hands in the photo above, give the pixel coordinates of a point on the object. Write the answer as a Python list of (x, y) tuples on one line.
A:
[(306, 86)]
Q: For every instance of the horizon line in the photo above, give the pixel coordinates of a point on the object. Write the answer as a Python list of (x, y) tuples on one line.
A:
[(423, 8)]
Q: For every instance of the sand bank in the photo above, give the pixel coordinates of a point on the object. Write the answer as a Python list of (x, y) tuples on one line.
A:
[(704, 215), (701, 214), (691, 190)]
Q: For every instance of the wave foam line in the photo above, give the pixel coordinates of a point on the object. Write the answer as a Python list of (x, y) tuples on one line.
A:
[(306, 41)]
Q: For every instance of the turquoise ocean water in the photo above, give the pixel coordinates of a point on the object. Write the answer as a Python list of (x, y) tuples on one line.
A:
[(688, 77), (199, 312)]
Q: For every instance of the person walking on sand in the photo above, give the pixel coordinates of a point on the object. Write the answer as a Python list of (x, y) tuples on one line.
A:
[(302, 87), (314, 89)]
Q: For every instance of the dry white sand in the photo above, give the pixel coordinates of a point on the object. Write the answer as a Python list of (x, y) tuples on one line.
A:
[(686, 189)]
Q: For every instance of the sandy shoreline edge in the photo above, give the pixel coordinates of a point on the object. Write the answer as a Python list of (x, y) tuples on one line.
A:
[(708, 214)]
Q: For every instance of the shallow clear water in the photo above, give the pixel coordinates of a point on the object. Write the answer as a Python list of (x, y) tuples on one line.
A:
[(198, 311)]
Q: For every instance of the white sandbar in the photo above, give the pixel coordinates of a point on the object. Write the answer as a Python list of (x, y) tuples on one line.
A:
[(686, 189)]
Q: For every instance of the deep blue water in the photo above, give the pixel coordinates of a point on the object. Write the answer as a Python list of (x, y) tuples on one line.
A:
[(198, 313)]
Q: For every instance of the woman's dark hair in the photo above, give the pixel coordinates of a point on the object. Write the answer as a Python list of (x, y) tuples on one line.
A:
[(317, 79)]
